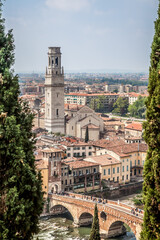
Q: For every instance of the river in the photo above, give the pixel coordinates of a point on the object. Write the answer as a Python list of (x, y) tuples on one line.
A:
[(61, 228)]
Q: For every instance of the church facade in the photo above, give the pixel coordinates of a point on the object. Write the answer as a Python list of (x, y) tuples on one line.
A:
[(55, 119), (85, 117)]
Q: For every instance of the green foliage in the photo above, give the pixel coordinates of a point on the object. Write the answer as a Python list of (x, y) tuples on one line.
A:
[(97, 104), (112, 81), (138, 200), (87, 135), (151, 186), (95, 235), (138, 108), (121, 106), (21, 197)]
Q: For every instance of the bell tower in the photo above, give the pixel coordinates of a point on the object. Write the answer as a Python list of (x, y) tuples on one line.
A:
[(54, 92)]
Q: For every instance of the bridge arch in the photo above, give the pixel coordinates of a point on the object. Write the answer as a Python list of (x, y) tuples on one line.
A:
[(59, 210), (85, 219), (67, 206), (117, 228)]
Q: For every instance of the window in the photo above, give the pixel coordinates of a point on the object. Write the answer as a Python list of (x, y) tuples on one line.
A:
[(95, 170), (130, 163), (90, 147), (123, 169), (72, 127), (55, 164), (57, 112), (123, 178), (80, 172), (127, 167), (68, 154), (74, 173), (127, 177), (48, 111), (113, 179), (90, 153), (123, 160), (139, 171), (70, 181), (104, 172), (87, 171), (68, 149), (56, 60), (117, 169), (66, 182), (117, 179), (138, 162), (62, 181), (113, 170), (109, 171), (62, 174), (135, 162), (83, 148)]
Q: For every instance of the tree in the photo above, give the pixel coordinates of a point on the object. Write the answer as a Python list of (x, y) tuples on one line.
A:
[(95, 235), (151, 186), (87, 135), (121, 106), (138, 108), (21, 197)]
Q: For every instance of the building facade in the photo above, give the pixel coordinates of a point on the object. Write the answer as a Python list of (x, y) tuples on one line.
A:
[(54, 92)]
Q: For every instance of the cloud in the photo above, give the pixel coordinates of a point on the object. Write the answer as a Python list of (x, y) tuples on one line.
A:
[(68, 5)]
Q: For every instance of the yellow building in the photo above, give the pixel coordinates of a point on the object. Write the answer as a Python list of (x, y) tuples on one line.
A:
[(42, 166), (112, 169)]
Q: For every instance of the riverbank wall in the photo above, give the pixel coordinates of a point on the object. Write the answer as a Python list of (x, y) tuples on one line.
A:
[(117, 192)]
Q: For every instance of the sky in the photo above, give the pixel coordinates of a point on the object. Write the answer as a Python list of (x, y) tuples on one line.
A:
[(94, 35)]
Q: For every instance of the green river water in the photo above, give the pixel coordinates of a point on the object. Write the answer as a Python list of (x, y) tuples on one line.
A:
[(60, 228)]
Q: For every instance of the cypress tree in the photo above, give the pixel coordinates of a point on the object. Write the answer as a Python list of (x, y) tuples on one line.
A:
[(95, 235), (86, 135), (21, 197), (151, 186)]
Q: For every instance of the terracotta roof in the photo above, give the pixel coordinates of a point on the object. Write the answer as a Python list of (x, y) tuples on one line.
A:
[(114, 123), (104, 160), (104, 143), (51, 150), (72, 106), (135, 126), (92, 94), (76, 144), (129, 148), (80, 164), (91, 126), (133, 94)]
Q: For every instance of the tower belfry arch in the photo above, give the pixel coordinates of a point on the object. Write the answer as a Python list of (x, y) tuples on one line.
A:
[(54, 92)]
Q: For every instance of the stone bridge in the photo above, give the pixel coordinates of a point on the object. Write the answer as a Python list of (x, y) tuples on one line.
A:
[(112, 215)]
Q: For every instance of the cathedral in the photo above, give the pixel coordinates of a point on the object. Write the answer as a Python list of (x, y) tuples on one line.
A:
[(55, 116)]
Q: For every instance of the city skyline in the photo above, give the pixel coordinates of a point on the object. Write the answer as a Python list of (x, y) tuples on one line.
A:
[(94, 35)]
